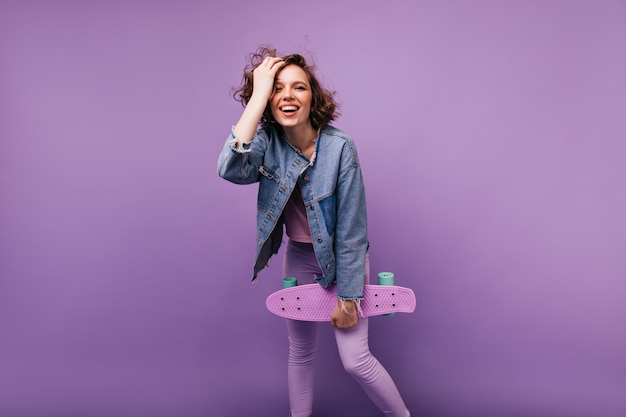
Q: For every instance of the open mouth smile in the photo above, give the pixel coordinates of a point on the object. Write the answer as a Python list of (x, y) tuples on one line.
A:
[(289, 109)]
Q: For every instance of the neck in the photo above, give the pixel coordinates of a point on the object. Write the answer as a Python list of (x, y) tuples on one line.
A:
[(300, 137), (303, 139)]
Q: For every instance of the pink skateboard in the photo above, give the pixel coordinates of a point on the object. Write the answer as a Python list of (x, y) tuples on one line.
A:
[(312, 302)]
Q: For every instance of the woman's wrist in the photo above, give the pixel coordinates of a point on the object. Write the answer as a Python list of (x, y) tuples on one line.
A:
[(347, 306)]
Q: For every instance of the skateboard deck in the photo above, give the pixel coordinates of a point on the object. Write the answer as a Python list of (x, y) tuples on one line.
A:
[(311, 302)]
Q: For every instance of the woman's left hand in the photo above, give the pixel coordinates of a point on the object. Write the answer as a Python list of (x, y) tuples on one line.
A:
[(344, 318)]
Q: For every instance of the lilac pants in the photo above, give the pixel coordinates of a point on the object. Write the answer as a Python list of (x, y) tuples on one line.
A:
[(352, 343)]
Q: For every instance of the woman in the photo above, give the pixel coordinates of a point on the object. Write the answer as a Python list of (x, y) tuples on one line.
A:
[(310, 183)]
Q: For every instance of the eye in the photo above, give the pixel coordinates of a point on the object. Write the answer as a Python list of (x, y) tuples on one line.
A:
[(301, 88), (277, 88)]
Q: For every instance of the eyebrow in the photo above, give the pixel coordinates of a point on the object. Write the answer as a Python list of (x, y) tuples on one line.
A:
[(295, 82)]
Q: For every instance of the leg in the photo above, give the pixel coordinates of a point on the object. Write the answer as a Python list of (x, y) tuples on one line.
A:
[(359, 362), (300, 262), (302, 347)]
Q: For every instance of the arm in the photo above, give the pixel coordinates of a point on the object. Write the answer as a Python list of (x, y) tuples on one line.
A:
[(351, 240), (263, 87), (243, 151)]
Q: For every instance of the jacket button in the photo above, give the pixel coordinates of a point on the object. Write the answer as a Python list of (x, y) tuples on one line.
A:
[(319, 240)]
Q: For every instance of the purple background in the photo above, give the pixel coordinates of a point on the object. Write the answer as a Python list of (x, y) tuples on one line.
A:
[(492, 139)]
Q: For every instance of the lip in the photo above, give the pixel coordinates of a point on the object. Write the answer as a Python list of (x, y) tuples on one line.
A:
[(291, 113)]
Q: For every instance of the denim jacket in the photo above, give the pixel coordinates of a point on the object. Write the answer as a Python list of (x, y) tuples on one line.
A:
[(333, 193)]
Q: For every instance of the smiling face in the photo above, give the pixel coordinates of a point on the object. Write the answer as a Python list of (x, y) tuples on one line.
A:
[(291, 101)]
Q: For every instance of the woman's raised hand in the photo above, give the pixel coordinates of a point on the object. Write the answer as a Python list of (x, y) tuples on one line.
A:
[(264, 76)]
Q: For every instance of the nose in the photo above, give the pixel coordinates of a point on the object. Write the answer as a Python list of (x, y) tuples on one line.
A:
[(287, 94)]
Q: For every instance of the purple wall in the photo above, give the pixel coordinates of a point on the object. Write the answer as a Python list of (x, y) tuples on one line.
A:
[(492, 136)]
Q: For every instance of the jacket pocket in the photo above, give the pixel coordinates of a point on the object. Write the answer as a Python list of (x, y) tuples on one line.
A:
[(329, 213)]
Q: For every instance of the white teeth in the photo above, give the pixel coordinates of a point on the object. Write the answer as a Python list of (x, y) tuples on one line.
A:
[(289, 108)]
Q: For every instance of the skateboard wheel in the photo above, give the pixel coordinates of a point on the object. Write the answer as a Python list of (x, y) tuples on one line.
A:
[(289, 282), (386, 278)]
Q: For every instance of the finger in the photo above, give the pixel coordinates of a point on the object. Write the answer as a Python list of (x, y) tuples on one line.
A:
[(276, 65), (269, 61), (263, 64)]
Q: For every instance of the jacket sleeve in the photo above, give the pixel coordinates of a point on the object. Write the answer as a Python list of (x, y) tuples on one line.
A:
[(351, 241), (241, 165)]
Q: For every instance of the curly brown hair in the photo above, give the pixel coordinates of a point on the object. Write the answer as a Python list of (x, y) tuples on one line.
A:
[(324, 108)]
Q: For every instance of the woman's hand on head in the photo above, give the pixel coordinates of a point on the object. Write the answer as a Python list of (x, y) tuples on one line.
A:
[(345, 316), (264, 76)]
